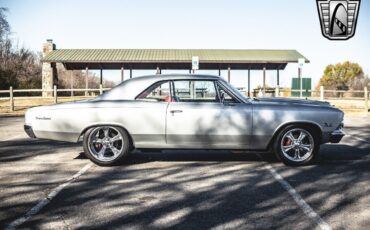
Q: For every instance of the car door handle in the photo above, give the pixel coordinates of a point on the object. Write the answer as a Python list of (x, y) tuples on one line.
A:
[(175, 111)]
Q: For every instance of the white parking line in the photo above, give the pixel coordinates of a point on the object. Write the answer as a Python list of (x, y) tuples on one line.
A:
[(43, 202), (297, 198)]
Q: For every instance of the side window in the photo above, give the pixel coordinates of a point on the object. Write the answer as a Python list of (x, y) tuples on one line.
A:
[(157, 92), (195, 91), (227, 97)]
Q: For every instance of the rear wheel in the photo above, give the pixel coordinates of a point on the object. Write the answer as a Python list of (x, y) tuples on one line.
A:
[(296, 145), (106, 145)]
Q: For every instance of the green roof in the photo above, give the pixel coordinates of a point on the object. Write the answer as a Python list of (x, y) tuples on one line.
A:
[(172, 56)]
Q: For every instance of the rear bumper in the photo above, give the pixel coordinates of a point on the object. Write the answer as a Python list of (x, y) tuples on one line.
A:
[(29, 131)]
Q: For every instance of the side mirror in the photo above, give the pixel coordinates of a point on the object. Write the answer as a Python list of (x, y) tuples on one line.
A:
[(222, 97)]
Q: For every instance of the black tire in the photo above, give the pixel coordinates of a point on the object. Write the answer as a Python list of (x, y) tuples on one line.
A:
[(311, 136), (124, 144)]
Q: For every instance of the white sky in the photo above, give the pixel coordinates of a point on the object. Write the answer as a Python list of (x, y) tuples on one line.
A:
[(207, 24)]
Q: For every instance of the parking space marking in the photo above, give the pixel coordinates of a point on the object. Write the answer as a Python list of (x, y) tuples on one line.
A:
[(306, 208), (43, 202)]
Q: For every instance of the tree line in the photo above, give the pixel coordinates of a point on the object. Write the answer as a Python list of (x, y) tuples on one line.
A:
[(344, 76), (19, 67), (22, 68)]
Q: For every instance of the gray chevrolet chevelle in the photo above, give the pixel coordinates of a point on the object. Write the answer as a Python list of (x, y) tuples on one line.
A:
[(187, 112)]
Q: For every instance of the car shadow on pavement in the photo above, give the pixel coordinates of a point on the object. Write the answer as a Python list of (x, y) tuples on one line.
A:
[(140, 157), (19, 149), (337, 153)]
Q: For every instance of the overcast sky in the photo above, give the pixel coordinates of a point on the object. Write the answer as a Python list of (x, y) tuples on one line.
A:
[(244, 24)]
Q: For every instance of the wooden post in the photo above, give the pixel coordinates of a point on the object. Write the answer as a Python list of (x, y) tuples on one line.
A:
[(11, 99), (192, 89), (277, 93), (130, 72), (264, 82), (249, 82), (101, 76), (87, 81), (55, 94), (122, 73), (321, 93), (366, 100), (300, 82), (101, 89), (228, 74), (71, 76), (219, 72)]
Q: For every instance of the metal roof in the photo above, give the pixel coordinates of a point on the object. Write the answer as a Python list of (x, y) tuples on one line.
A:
[(173, 58)]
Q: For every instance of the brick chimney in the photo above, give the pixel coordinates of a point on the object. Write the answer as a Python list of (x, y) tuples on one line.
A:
[(47, 47)]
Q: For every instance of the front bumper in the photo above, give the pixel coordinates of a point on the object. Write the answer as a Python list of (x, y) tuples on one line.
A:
[(29, 131), (337, 135)]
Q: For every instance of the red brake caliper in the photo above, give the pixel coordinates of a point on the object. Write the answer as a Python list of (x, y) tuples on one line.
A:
[(287, 142)]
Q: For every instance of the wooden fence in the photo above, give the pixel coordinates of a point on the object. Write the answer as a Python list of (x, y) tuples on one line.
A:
[(322, 94)]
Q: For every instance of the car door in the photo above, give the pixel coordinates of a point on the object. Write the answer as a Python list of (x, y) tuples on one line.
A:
[(197, 119), (148, 116)]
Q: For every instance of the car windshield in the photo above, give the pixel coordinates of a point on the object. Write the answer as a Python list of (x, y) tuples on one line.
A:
[(234, 90)]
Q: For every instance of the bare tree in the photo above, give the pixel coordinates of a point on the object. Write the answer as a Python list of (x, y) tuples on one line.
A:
[(4, 25), (19, 67), (22, 68)]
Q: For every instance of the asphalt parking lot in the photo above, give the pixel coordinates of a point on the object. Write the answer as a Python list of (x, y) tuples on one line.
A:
[(183, 189)]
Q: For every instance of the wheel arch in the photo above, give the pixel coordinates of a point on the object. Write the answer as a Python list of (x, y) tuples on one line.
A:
[(316, 127), (82, 133)]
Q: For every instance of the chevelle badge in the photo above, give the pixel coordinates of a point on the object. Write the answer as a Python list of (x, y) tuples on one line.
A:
[(43, 118)]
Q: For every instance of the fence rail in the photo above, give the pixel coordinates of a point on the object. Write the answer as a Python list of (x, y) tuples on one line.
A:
[(321, 94)]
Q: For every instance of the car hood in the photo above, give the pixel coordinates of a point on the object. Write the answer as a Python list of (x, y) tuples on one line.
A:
[(284, 101)]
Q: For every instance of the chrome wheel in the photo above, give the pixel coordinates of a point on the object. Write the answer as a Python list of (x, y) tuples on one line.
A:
[(297, 145), (105, 143)]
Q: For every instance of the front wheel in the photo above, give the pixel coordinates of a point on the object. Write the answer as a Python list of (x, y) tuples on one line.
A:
[(106, 145), (296, 145)]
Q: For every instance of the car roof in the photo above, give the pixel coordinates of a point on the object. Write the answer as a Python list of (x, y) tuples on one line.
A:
[(129, 89), (175, 77)]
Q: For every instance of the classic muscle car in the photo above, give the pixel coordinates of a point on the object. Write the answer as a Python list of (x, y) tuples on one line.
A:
[(187, 112)]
